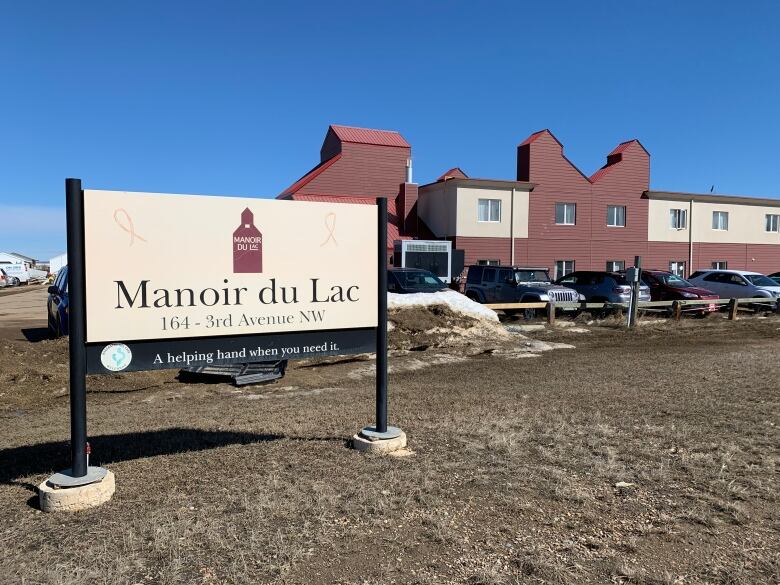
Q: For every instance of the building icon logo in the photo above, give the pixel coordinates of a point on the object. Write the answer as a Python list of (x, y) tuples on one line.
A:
[(247, 245), (116, 357)]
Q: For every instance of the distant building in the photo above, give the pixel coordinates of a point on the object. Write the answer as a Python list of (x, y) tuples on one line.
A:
[(57, 262), (16, 258)]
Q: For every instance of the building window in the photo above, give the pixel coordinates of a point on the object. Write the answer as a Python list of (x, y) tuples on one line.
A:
[(616, 265), (720, 220), (772, 223), (678, 219), (488, 262), (720, 265), (489, 210), (616, 215), (677, 267), (565, 213), (563, 267)]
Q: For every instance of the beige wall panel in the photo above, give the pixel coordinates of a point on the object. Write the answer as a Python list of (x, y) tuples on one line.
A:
[(436, 206), (467, 224), (746, 224), (658, 222)]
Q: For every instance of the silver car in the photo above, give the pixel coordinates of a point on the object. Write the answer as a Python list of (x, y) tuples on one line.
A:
[(5, 280), (736, 284)]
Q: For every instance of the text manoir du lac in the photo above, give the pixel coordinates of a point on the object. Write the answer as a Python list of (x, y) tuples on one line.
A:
[(142, 296)]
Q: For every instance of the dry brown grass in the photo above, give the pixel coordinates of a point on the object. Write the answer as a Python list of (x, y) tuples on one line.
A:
[(512, 480)]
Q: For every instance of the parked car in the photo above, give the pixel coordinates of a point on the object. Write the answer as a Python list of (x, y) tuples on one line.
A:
[(737, 284), (775, 276), (413, 280), (603, 287), (57, 305), (515, 284), (667, 286), (4, 279)]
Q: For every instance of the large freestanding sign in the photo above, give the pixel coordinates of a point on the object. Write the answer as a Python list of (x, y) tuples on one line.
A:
[(168, 281)]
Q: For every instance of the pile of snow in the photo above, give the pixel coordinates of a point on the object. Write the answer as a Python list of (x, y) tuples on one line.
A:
[(456, 302)]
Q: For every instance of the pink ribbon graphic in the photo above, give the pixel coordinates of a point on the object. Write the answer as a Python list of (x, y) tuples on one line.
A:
[(129, 228), (330, 225)]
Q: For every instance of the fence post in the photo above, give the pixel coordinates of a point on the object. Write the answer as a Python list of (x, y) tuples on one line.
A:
[(677, 310), (550, 313), (733, 303), (633, 305)]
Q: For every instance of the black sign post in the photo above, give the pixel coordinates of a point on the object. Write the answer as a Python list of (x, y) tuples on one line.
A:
[(372, 437), (381, 322), (79, 473), (78, 361)]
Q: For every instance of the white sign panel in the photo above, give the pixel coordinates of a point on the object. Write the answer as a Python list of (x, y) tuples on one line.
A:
[(185, 266)]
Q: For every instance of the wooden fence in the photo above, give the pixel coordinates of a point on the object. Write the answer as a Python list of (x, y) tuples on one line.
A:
[(674, 308)]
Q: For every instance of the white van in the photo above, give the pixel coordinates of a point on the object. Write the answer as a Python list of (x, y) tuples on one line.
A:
[(24, 274)]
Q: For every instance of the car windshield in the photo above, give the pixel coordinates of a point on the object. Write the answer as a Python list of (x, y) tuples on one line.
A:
[(673, 280), (532, 276), (760, 280), (419, 280)]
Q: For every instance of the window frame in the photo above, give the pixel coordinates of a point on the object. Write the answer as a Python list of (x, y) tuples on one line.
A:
[(573, 268), (775, 219), (488, 262), (720, 214), (622, 264), (716, 264), (566, 205), (680, 264), (616, 207), (681, 213), (490, 202)]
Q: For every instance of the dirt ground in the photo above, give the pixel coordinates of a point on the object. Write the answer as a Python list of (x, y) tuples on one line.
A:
[(606, 456)]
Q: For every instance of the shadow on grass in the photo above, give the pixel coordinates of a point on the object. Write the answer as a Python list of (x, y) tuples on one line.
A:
[(45, 458)]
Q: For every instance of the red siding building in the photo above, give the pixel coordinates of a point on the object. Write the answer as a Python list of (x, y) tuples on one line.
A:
[(553, 215), (358, 165)]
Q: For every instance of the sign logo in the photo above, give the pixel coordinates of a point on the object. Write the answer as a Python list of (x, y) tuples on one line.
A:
[(116, 357), (247, 245)]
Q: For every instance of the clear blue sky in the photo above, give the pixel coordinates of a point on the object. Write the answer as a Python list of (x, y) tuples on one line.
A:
[(235, 97)]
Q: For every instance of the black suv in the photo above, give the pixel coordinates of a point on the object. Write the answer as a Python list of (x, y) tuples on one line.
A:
[(514, 284), (413, 280)]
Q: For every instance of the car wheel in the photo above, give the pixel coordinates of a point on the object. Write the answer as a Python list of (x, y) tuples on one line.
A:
[(473, 297)]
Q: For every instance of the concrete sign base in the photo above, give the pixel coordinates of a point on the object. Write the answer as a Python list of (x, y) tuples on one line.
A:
[(370, 440), (73, 499)]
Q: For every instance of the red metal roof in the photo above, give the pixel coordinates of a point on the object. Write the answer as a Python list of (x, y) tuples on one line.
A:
[(623, 146), (539, 134), (393, 232), (618, 150), (454, 172), (369, 136), (308, 177)]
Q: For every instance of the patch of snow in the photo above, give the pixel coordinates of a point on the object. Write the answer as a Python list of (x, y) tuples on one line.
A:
[(450, 298)]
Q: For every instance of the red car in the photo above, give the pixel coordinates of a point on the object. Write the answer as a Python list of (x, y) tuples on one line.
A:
[(666, 286)]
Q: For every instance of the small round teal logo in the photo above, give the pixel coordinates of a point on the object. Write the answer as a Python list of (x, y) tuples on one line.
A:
[(116, 357)]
